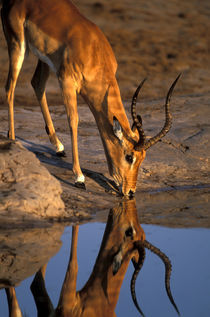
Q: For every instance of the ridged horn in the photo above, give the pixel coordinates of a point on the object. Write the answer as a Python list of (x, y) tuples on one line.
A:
[(141, 250), (168, 120), (168, 269), (137, 119)]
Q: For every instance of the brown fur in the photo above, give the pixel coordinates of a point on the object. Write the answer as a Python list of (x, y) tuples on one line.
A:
[(84, 63)]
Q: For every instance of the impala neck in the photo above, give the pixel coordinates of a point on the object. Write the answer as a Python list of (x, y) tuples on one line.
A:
[(102, 284), (103, 288), (105, 106)]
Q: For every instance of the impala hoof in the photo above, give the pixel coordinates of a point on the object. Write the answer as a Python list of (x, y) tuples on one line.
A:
[(80, 185), (61, 154)]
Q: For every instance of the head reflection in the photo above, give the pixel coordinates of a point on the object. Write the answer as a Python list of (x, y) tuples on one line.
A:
[(123, 241)]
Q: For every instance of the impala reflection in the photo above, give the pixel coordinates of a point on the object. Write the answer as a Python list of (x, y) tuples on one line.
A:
[(123, 241)]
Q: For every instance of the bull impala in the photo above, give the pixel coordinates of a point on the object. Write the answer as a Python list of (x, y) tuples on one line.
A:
[(123, 240), (78, 52)]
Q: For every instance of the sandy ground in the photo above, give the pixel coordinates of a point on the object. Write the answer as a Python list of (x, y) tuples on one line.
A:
[(151, 39)]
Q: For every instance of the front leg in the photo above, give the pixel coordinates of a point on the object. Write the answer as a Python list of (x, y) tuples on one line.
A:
[(38, 82), (70, 101), (68, 300)]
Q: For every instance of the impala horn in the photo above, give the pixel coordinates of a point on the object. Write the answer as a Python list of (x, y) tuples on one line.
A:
[(142, 143), (137, 265), (137, 121), (168, 267)]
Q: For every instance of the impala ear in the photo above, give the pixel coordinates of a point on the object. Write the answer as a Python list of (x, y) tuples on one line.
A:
[(117, 129), (117, 262)]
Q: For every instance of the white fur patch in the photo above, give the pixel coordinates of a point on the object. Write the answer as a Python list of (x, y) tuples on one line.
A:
[(134, 231), (80, 179), (133, 163), (21, 56), (117, 129), (60, 147)]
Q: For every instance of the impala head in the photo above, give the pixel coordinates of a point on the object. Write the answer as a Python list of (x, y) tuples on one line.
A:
[(131, 152), (122, 231), (126, 161), (126, 232)]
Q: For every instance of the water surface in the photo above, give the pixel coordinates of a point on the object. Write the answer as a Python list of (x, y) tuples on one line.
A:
[(189, 253)]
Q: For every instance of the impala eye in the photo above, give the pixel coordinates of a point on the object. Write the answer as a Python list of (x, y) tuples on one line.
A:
[(129, 158), (129, 232)]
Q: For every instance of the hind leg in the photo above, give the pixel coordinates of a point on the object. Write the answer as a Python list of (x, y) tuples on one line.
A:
[(39, 83), (14, 308), (15, 63), (16, 51), (43, 303)]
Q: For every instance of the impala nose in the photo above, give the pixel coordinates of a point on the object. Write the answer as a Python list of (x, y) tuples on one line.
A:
[(131, 194)]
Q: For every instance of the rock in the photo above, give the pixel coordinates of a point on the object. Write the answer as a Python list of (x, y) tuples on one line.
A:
[(23, 252), (26, 187)]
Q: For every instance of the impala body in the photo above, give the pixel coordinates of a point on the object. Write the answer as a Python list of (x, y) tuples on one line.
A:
[(77, 51)]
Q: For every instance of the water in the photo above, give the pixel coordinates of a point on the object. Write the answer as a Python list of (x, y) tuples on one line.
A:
[(188, 250)]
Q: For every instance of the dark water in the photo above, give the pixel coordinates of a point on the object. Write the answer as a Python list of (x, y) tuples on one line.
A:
[(189, 253)]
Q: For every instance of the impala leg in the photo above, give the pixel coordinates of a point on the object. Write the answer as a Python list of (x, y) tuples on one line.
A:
[(16, 51), (43, 303), (70, 101), (38, 82), (14, 309), (16, 57), (68, 299)]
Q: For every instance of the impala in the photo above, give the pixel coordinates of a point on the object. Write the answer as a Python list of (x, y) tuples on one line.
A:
[(14, 309), (123, 240), (78, 52)]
